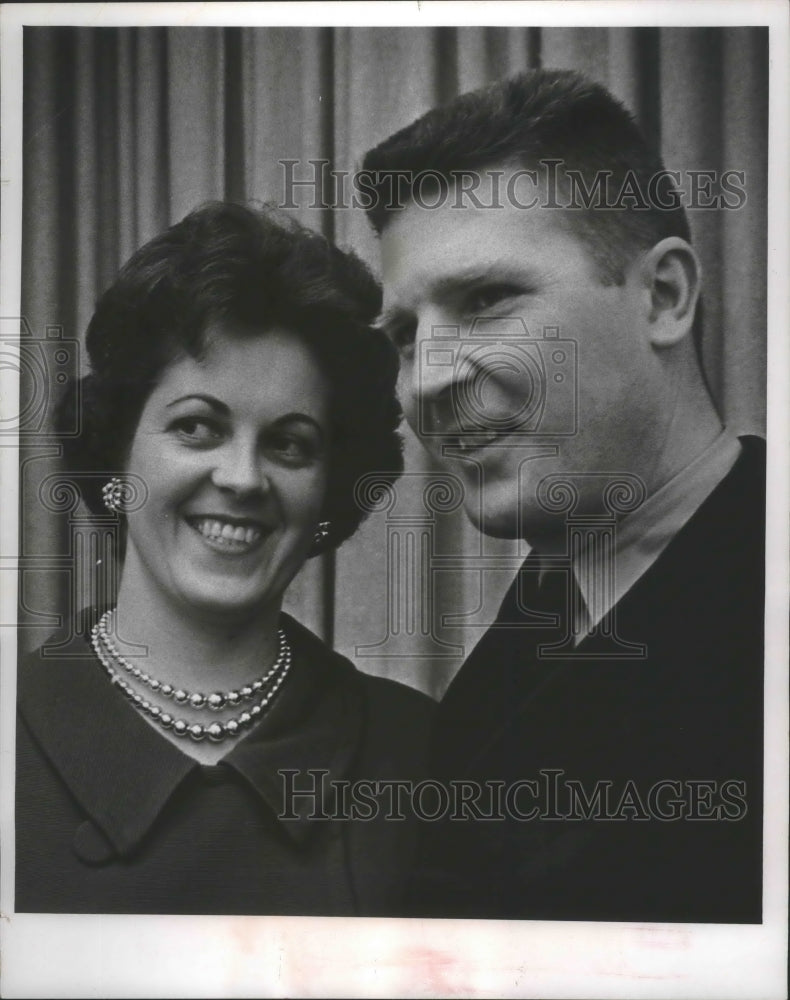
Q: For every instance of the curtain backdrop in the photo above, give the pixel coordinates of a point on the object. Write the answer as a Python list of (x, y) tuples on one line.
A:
[(126, 130)]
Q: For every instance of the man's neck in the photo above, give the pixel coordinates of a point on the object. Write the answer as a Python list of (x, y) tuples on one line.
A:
[(689, 427)]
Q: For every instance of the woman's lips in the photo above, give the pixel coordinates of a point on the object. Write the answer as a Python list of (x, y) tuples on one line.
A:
[(228, 535)]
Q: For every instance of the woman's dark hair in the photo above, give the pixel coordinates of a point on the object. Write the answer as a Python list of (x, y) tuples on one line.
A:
[(255, 270)]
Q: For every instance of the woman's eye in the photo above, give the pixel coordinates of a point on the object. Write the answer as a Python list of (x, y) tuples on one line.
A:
[(294, 451), (197, 430)]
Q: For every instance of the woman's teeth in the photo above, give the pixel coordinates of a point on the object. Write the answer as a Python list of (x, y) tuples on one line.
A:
[(225, 533)]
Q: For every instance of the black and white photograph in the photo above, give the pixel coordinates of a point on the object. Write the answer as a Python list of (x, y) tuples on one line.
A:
[(394, 499)]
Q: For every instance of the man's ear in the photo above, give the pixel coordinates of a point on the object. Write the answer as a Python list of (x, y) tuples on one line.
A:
[(671, 275)]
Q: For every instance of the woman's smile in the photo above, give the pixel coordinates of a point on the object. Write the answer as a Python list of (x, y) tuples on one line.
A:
[(233, 448), (228, 535), (237, 393)]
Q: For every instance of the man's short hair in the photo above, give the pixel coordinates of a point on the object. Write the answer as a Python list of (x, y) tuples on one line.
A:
[(538, 116)]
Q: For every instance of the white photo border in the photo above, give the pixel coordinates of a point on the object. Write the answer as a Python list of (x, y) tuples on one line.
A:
[(109, 956)]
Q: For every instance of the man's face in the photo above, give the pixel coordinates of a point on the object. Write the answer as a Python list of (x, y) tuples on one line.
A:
[(516, 360)]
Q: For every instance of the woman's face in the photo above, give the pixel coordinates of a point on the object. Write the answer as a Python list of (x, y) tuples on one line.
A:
[(234, 451)]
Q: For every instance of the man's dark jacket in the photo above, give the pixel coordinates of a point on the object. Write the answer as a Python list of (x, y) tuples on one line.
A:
[(675, 737)]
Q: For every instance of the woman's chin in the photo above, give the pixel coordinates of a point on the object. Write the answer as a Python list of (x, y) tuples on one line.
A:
[(220, 604)]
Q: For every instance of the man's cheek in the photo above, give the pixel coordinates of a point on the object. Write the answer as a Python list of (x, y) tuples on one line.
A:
[(408, 397)]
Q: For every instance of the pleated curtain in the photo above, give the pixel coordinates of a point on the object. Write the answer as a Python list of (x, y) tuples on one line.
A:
[(126, 130)]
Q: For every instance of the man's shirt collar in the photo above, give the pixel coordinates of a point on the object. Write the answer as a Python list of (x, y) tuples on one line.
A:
[(642, 535)]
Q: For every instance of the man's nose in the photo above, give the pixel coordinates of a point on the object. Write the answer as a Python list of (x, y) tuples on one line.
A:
[(435, 368)]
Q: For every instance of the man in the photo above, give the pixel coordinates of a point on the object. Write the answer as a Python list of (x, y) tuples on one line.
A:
[(605, 736)]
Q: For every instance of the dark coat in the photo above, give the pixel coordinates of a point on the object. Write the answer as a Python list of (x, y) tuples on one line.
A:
[(691, 711), (113, 818)]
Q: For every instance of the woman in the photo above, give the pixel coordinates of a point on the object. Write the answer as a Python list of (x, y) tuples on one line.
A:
[(202, 754)]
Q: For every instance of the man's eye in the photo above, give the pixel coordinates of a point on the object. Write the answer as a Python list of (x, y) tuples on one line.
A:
[(197, 430), (489, 296), (403, 336)]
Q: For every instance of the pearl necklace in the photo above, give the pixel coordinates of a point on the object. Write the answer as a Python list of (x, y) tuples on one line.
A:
[(215, 701), (105, 651)]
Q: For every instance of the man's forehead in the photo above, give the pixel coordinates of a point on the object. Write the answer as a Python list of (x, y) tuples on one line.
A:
[(432, 252)]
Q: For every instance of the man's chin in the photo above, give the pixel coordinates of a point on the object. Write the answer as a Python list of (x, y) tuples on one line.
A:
[(507, 521), (498, 522)]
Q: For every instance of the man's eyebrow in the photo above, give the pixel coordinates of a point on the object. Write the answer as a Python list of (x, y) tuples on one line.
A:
[(499, 272), (391, 317), (449, 286)]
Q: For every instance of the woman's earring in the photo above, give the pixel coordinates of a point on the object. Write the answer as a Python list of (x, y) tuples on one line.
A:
[(321, 533), (113, 494)]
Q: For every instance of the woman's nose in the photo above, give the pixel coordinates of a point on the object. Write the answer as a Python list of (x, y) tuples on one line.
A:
[(240, 469)]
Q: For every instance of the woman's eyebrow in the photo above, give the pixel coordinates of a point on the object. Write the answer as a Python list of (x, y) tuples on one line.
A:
[(296, 417), (212, 401), (223, 408)]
